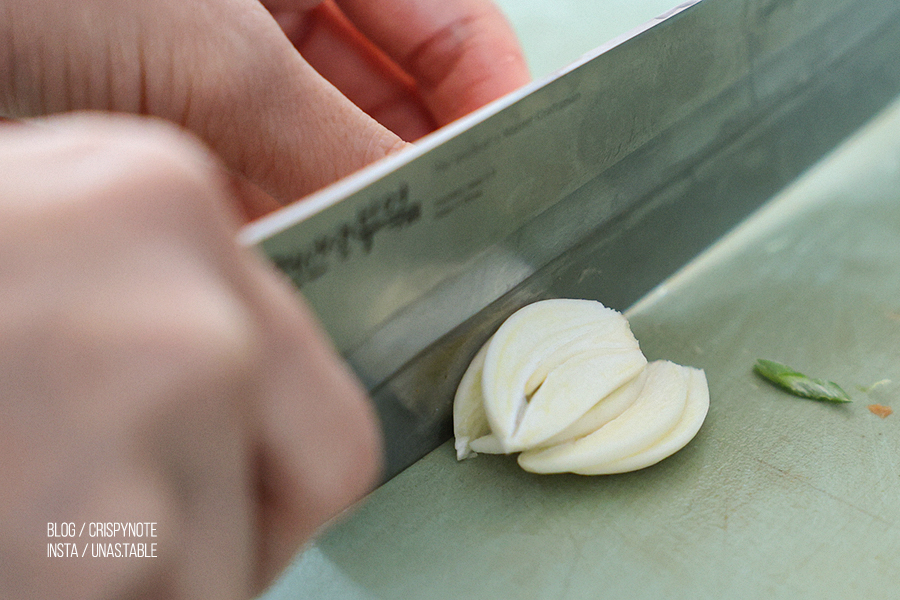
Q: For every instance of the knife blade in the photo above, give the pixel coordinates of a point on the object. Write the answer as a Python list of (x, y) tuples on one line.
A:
[(597, 182)]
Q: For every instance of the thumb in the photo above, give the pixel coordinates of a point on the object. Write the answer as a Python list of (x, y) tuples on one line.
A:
[(221, 68)]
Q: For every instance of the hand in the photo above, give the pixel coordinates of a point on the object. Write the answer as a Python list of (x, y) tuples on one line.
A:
[(151, 370), (226, 70)]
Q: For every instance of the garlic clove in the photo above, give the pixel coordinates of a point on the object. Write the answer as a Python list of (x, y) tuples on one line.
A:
[(696, 407), (571, 390), (654, 413), (532, 343), (487, 444), (610, 333), (603, 412), (469, 419)]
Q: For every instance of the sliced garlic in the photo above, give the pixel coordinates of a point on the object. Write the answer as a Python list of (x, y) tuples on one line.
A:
[(654, 413), (684, 431), (549, 363), (488, 444), (565, 383), (570, 391), (469, 419), (603, 412)]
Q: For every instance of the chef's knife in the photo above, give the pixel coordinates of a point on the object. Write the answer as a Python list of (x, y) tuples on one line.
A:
[(598, 182)]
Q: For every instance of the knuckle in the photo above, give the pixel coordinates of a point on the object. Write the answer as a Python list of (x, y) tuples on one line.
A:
[(218, 336), (88, 162), (166, 165)]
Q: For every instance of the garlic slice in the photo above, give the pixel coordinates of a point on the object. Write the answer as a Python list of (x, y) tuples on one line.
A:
[(570, 391), (578, 350), (469, 419), (655, 412), (684, 431), (488, 444), (603, 412)]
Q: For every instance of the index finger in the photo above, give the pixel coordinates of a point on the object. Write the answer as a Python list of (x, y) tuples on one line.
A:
[(462, 53)]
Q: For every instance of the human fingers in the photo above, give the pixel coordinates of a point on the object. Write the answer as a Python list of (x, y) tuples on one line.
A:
[(144, 359), (221, 68), (109, 326), (461, 53), (359, 69), (321, 451), (320, 448), (411, 65)]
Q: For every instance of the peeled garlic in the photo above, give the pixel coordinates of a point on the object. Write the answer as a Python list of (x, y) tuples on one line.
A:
[(677, 438), (469, 419), (565, 383)]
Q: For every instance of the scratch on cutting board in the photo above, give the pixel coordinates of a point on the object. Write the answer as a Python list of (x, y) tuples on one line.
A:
[(883, 454), (578, 546), (788, 475), (805, 482)]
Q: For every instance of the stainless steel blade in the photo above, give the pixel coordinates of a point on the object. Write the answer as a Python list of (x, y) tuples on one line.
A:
[(597, 183)]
